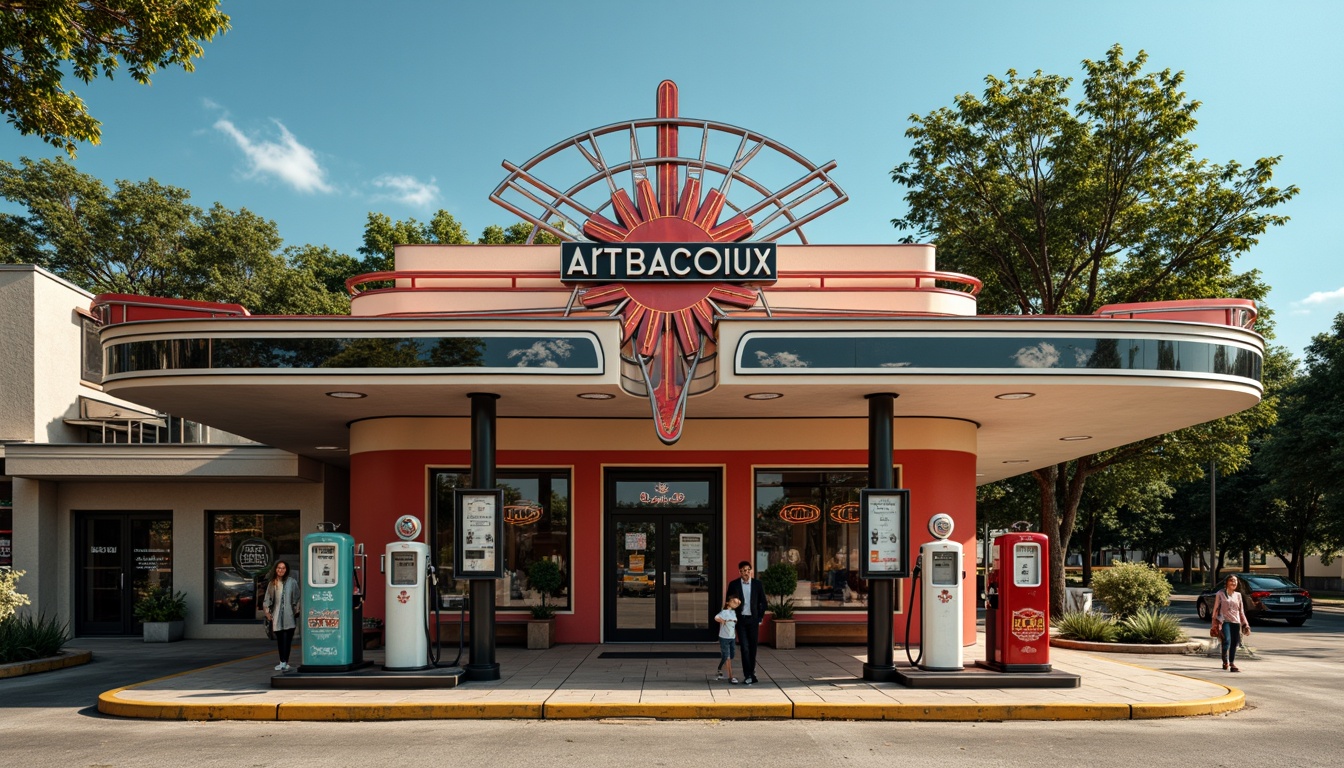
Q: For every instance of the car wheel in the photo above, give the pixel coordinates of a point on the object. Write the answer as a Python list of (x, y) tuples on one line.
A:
[(1296, 622), (1202, 608)]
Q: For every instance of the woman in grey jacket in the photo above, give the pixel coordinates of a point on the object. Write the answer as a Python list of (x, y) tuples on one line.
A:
[(282, 608)]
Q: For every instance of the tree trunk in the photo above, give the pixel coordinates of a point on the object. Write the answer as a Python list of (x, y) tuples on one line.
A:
[(1061, 492), (1088, 535)]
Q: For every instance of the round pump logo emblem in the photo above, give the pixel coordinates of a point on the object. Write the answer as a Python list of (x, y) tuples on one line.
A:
[(408, 527), (940, 525)]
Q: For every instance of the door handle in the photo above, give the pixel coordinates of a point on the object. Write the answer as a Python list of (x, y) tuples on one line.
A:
[(121, 584), (664, 578)]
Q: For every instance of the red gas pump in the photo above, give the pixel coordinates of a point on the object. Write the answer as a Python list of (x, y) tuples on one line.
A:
[(1017, 604)]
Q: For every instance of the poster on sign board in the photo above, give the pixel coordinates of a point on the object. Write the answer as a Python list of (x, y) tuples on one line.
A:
[(478, 518), (884, 522)]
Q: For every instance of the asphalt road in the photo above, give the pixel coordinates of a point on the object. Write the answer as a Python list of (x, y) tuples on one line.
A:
[(1293, 719)]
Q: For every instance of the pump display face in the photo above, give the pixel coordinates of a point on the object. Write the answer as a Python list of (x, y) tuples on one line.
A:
[(323, 565), (405, 569), (1027, 565), (943, 570)]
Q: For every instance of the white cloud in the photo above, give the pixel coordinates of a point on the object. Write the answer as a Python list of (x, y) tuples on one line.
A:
[(408, 190), (780, 360), (1323, 297), (1043, 355), (542, 354), (286, 159)]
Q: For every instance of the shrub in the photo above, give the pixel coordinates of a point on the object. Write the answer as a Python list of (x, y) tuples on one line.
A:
[(10, 599), (544, 577), (1149, 625), (23, 638), (1085, 625), (1127, 587), (159, 604), (780, 581)]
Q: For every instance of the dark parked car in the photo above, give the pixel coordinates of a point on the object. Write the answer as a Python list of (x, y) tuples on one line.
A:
[(235, 594), (1265, 596)]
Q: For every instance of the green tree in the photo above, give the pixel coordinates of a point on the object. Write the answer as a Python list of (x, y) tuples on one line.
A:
[(382, 235), (1303, 458), (41, 41), (517, 234), (1062, 209), (147, 238)]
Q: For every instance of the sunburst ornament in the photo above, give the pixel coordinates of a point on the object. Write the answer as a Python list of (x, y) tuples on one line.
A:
[(668, 325)]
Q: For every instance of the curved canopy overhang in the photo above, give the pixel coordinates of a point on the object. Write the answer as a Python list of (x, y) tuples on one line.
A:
[(1075, 385)]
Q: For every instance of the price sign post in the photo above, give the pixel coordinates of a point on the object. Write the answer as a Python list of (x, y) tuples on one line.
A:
[(478, 523)]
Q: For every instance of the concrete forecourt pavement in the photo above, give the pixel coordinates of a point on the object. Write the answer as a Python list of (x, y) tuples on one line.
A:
[(576, 682)]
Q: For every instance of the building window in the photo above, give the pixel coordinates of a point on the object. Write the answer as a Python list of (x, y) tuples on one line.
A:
[(537, 526), (809, 519), (91, 369), (244, 547)]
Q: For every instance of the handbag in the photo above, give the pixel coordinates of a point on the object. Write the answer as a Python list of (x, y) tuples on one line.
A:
[(1213, 632), (270, 631)]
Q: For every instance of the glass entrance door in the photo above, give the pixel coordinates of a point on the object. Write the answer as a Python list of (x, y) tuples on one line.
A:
[(120, 556), (662, 582)]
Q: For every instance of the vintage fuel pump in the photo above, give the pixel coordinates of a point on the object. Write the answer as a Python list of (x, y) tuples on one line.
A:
[(333, 602), (939, 601), (1017, 604), (409, 580)]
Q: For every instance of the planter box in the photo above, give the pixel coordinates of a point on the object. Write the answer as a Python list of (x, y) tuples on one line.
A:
[(164, 631), (540, 634), (786, 634)]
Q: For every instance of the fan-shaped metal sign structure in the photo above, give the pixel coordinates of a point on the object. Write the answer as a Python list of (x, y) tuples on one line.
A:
[(676, 270)]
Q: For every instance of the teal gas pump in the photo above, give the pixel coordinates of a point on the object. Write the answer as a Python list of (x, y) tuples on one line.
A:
[(333, 603)]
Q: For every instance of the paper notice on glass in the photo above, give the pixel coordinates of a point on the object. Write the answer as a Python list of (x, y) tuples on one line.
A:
[(478, 533), (692, 551), (636, 542), (886, 550)]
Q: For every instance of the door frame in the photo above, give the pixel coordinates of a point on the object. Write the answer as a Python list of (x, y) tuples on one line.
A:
[(611, 576), (127, 625)]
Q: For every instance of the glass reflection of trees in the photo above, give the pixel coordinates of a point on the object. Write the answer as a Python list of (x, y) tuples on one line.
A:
[(547, 537), (824, 551)]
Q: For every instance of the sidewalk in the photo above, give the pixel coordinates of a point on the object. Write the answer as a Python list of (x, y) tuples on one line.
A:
[(574, 681)]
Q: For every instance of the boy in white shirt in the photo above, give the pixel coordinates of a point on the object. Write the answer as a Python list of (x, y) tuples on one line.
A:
[(727, 619)]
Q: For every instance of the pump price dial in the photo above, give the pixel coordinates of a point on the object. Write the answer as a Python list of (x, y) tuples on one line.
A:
[(408, 527)]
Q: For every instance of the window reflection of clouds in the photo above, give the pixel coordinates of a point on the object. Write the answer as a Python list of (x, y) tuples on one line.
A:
[(1042, 355), (780, 360), (542, 354), (1081, 356)]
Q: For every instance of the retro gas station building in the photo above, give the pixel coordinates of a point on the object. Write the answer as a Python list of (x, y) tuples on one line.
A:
[(669, 391)]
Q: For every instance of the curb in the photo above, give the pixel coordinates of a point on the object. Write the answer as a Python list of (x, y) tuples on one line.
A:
[(71, 658), (1189, 646)]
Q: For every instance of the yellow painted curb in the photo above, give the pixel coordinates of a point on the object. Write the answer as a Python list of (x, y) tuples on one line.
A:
[(668, 711), (1231, 701), (346, 712), (110, 704), (70, 658), (961, 712)]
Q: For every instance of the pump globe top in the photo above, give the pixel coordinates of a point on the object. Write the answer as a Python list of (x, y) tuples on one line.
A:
[(408, 527), (941, 525)]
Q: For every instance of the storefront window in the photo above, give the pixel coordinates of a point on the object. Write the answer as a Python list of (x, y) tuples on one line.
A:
[(244, 547), (810, 520), (537, 526)]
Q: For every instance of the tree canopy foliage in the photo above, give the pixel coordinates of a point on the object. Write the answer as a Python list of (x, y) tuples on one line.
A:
[(41, 41), (148, 238), (1063, 207)]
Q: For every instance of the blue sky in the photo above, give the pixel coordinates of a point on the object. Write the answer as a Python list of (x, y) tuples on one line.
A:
[(314, 114)]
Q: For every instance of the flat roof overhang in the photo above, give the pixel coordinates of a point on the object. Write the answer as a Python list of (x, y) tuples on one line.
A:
[(947, 367)]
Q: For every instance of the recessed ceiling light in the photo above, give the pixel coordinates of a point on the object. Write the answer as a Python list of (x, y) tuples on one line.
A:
[(764, 396), (1071, 438), (979, 474), (1016, 461), (596, 395), (328, 448), (1015, 395), (346, 395)]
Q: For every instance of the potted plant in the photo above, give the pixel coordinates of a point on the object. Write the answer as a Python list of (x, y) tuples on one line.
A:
[(543, 576), (781, 581), (163, 613)]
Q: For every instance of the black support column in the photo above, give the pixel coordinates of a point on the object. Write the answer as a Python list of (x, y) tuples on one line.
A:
[(481, 661), (880, 666)]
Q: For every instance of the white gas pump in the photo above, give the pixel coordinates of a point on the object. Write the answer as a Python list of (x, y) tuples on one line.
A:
[(407, 600), (940, 599)]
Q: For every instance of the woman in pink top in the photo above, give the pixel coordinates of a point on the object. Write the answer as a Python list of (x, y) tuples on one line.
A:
[(1229, 621)]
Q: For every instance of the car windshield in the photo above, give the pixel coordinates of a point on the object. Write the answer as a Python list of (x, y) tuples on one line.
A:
[(1269, 582)]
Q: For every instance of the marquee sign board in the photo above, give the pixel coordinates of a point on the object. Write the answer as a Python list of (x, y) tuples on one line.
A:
[(622, 262)]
